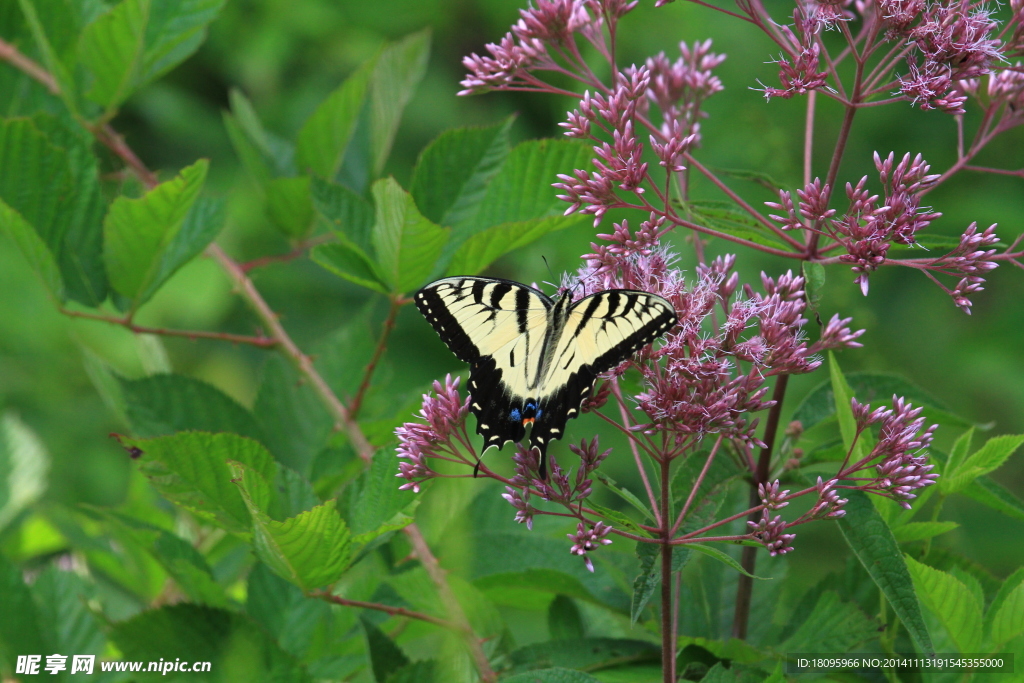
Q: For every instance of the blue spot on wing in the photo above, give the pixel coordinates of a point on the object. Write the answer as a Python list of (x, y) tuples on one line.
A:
[(516, 416)]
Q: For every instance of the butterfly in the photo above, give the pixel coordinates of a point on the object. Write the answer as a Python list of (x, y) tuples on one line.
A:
[(534, 360)]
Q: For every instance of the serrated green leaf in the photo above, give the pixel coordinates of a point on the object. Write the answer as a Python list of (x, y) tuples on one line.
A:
[(832, 626), (263, 155), (138, 40), (290, 206), (178, 558), (312, 549), (874, 545), (482, 249), (33, 249), (24, 465), (625, 494), (349, 215), (174, 30), (48, 178), (871, 387), (139, 232), (958, 453), (854, 442), (919, 531), (618, 519), (759, 177), (295, 422), (20, 630), (190, 469), (1012, 586), (112, 49), (164, 404), (649, 578), (585, 654), (995, 496), (724, 217), (814, 277), (957, 608), (66, 622), (422, 671), (378, 505), (407, 244), (326, 134), (712, 492), (544, 582), (452, 173), (1008, 622), (202, 225), (724, 558), (350, 262), (237, 647), (987, 458), (385, 656), (397, 72), (59, 65)]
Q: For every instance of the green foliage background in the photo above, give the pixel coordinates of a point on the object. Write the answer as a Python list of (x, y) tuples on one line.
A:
[(287, 56)]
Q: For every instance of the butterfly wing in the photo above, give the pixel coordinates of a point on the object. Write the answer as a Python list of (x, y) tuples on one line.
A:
[(600, 331), (498, 327)]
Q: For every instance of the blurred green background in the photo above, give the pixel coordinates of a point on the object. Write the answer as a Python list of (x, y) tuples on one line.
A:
[(286, 56)]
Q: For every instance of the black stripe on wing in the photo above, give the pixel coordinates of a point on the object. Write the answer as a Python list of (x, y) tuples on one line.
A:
[(431, 302), (559, 408), (661, 323), (491, 406)]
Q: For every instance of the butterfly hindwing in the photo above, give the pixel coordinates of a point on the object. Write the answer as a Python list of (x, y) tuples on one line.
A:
[(534, 360)]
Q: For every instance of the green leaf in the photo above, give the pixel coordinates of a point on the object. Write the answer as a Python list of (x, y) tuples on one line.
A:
[(617, 519), (397, 72), (422, 671), (995, 496), (556, 675), (1008, 622), (190, 469), (263, 155), (312, 549), (177, 557), (290, 206), (844, 412), (1012, 586), (24, 465), (485, 247), (585, 654), (984, 460), (919, 531), (724, 558), (564, 620), (325, 136), (871, 387), (713, 487), (174, 31), (724, 217), (139, 40), (814, 276), (33, 249), (958, 453), (625, 494), (112, 48), (759, 177), (237, 647), (406, 243), (349, 215), (139, 232), (350, 262), (202, 225), (295, 422), (832, 626), (874, 545), (385, 656), (164, 404), (20, 629), (378, 506), (508, 588), (58, 63), (64, 615), (957, 608), (452, 173), (48, 177), (649, 578)]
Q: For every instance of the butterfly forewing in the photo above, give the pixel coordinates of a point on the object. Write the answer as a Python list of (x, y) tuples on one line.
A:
[(532, 359)]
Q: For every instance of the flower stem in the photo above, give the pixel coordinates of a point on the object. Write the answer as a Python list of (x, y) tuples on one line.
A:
[(668, 639), (745, 584), (382, 343)]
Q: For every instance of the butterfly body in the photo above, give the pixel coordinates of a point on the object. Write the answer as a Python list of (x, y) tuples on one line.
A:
[(534, 360)]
